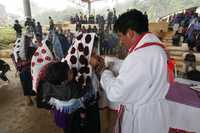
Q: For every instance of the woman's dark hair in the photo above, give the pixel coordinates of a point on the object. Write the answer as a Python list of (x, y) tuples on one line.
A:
[(95, 45), (134, 20), (57, 72)]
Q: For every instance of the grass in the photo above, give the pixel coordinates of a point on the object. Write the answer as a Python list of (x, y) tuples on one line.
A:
[(7, 36)]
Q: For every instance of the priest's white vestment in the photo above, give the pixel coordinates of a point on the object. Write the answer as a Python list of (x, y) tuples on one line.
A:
[(142, 80)]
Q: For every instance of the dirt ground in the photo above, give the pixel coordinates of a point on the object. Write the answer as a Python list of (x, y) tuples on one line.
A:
[(16, 116)]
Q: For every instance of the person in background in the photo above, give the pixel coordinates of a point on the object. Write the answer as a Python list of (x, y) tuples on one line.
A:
[(114, 15), (145, 14), (21, 56), (193, 75), (4, 68), (29, 26), (51, 24), (161, 35), (190, 61), (18, 29), (33, 23), (95, 30), (89, 30), (83, 29), (109, 19), (39, 29), (38, 40), (69, 35)]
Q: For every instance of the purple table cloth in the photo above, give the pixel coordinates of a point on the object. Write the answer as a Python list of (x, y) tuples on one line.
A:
[(183, 94)]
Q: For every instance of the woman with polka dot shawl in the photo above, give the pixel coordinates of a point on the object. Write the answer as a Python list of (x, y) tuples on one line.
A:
[(85, 117), (74, 100), (21, 56)]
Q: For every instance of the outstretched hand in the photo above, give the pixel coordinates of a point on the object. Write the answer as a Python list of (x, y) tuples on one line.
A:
[(97, 63)]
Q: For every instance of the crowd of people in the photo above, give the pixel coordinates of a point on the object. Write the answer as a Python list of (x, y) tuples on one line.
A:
[(101, 20), (69, 77), (187, 28), (30, 25)]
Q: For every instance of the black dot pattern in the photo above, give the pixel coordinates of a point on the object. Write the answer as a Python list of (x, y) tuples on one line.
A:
[(82, 70), (78, 57), (82, 60), (86, 51), (87, 70), (73, 50), (80, 37), (18, 41), (80, 47), (73, 59), (88, 38)]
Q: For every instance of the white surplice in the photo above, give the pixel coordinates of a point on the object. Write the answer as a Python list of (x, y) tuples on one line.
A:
[(141, 87), (142, 80)]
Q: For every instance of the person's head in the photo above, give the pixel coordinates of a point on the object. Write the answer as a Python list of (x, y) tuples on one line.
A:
[(191, 50), (16, 21), (58, 72), (39, 39), (49, 17), (130, 25), (38, 23)]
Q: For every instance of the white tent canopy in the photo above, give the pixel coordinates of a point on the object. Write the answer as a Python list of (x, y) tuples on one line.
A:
[(198, 10)]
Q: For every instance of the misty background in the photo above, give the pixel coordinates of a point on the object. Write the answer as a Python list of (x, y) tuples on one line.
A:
[(154, 9)]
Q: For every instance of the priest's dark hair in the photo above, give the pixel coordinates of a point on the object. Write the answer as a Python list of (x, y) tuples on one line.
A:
[(132, 19)]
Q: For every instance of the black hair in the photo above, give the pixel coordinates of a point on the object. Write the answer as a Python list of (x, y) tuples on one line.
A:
[(38, 35), (134, 20), (95, 45), (57, 72)]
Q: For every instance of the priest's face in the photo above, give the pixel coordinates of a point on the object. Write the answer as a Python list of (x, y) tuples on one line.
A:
[(127, 39)]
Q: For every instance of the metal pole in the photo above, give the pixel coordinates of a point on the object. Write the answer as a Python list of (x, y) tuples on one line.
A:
[(89, 8), (27, 8)]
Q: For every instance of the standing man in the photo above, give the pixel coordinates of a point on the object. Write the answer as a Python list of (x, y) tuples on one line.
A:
[(114, 15), (143, 76), (51, 24), (39, 29), (18, 29), (109, 19)]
